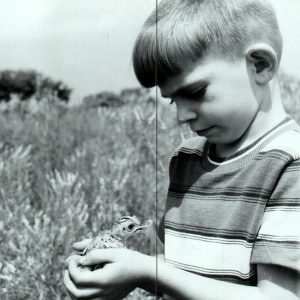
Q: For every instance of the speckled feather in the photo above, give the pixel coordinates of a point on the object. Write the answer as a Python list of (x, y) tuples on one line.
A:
[(105, 239)]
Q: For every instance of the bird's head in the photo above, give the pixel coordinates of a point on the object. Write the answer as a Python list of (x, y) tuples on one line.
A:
[(126, 226)]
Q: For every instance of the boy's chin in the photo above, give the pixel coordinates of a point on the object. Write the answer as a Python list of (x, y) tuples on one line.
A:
[(221, 140), (219, 136), (216, 138)]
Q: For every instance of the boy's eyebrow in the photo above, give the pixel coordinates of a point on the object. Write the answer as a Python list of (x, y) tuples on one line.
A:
[(189, 88)]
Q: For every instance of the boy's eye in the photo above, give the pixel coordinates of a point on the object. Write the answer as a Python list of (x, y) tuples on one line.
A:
[(194, 94), (197, 94)]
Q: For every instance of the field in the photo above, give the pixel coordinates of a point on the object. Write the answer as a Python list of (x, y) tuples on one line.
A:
[(68, 172)]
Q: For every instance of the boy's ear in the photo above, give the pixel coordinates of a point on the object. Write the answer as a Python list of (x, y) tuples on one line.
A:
[(263, 62)]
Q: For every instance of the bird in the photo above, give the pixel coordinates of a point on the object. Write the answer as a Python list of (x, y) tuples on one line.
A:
[(116, 237)]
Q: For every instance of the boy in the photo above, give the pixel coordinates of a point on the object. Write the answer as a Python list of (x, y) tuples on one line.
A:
[(231, 225)]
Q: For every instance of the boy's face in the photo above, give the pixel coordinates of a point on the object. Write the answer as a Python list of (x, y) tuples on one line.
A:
[(214, 96)]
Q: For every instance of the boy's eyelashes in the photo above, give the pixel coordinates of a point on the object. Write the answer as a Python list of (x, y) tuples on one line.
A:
[(193, 95), (197, 94)]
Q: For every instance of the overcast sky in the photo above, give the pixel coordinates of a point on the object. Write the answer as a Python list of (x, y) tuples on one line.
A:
[(88, 43)]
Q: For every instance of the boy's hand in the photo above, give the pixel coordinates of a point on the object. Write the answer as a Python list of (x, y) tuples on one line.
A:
[(80, 246), (123, 270)]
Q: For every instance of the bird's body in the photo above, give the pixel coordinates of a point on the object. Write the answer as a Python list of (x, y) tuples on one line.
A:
[(105, 239), (122, 228)]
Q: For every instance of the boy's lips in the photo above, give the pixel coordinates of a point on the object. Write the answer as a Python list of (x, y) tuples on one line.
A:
[(204, 131)]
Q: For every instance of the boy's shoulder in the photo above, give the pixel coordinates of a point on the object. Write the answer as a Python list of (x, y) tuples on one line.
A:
[(194, 145), (288, 142)]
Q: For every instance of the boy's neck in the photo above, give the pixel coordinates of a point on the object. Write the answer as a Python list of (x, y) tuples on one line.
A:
[(270, 114)]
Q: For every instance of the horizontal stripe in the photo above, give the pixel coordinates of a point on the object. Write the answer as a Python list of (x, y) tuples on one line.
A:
[(288, 142), (294, 202), (283, 204), (220, 274), (283, 208), (275, 155), (278, 239), (281, 224), (233, 200), (226, 196), (278, 244), (286, 191), (251, 281), (294, 166), (193, 143), (272, 253), (208, 253), (216, 239), (231, 191), (215, 214), (188, 151), (210, 232)]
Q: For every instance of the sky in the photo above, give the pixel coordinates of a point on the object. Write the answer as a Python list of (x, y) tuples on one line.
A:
[(88, 43)]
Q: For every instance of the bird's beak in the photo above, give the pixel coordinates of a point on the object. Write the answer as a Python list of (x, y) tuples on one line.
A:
[(141, 228)]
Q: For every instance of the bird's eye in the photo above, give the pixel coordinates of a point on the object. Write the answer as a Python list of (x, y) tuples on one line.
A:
[(130, 226)]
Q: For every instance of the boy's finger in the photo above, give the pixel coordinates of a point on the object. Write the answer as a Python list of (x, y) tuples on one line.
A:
[(82, 276), (72, 257), (83, 292), (97, 256), (79, 246)]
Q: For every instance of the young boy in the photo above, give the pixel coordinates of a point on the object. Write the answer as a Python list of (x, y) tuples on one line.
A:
[(232, 219)]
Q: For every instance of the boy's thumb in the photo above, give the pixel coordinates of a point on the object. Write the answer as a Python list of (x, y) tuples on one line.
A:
[(97, 256), (80, 246)]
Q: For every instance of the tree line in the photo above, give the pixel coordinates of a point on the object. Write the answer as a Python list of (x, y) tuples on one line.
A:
[(26, 84)]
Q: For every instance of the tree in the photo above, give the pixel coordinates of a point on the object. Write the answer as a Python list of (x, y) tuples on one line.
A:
[(26, 84), (103, 99), (51, 90), (110, 99), (290, 92)]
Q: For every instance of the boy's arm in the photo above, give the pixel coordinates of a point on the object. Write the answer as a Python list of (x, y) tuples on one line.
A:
[(274, 280), (274, 283), (127, 268)]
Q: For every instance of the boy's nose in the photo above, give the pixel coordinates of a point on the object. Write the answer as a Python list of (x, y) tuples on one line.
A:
[(185, 114)]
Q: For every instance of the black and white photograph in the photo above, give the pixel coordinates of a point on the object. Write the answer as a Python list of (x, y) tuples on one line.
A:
[(150, 149)]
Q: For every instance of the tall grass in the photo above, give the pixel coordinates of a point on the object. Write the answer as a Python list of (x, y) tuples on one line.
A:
[(67, 173)]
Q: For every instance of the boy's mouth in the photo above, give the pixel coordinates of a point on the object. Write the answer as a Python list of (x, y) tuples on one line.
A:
[(203, 131)]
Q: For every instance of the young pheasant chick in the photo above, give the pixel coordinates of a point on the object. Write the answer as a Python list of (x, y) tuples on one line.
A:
[(122, 229)]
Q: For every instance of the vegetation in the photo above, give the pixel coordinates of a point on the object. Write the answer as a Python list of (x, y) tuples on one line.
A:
[(25, 84), (66, 172)]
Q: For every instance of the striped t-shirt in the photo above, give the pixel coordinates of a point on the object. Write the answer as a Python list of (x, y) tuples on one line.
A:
[(223, 218)]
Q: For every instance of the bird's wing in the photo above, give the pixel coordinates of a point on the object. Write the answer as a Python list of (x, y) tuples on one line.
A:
[(102, 241)]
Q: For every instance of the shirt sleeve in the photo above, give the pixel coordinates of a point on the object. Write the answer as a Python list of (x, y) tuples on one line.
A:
[(278, 240)]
